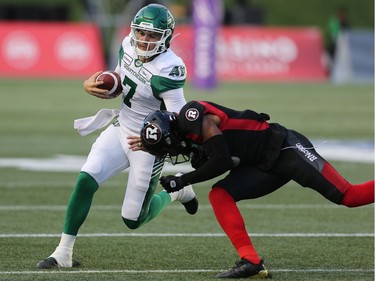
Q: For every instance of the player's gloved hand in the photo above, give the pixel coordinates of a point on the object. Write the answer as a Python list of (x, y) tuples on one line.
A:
[(171, 183)]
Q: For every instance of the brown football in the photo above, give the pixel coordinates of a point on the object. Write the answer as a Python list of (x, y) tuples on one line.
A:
[(112, 83)]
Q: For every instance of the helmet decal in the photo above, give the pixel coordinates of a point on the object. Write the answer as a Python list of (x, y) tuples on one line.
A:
[(192, 114), (152, 133), (160, 137)]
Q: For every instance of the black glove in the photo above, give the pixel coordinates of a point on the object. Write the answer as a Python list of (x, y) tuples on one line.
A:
[(171, 183)]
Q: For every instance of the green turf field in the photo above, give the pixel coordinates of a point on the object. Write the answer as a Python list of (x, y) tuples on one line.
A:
[(300, 235)]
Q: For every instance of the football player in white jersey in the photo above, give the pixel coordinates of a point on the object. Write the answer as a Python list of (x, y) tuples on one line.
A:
[(152, 77)]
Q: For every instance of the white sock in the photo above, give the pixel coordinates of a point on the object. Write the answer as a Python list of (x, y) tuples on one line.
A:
[(67, 240), (173, 196), (64, 252)]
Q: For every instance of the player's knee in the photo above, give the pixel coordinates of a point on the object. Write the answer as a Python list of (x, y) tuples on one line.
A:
[(217, 194), (334, 196), (86, 183), (131, 224), (213, 195)]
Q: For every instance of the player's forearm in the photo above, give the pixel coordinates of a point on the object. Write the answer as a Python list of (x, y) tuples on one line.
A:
[(219, 161)]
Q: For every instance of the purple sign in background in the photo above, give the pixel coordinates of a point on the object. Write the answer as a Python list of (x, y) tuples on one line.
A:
[(206, 20)]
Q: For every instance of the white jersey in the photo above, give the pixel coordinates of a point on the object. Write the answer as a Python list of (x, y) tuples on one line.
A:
[(149, 86)]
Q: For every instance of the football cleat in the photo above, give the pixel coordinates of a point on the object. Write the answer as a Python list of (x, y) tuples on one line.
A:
[(50, 263), (191, 206), (188, 199), (246, 269)]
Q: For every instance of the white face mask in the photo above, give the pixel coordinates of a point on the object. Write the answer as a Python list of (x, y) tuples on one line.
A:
[(156, 43)]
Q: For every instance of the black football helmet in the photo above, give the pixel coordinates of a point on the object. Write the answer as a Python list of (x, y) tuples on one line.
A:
[(159, 137)]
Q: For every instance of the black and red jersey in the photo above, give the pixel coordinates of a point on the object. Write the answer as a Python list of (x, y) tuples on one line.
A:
[(270, 156), (247, 132)]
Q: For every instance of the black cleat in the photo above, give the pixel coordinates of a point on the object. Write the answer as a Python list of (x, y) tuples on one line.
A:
[(246, 269), (48, 263), (51, 262), (191, 206)]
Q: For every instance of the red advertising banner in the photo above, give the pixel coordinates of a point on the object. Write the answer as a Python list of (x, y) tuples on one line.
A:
[(31, 49), (260, 53), (243, 53)]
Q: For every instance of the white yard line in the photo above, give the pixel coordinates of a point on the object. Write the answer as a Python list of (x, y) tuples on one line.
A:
[(177, 207), (360, 151), (286, 235), (307, 270)]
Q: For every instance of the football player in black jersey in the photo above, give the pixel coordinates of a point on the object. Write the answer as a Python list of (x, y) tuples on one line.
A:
[(260, 156)]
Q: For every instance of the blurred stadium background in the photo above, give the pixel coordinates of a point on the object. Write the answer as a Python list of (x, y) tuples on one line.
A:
[(47, 48), (99, 25)]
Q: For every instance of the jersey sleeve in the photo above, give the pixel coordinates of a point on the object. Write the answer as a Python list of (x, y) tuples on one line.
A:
[(174, 99), (172, 73)]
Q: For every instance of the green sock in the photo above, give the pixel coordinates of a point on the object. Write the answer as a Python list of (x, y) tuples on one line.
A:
[(158, 203), (79, 203)]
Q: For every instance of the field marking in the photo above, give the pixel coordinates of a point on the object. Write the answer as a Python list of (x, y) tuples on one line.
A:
[(287, 235), (312, 270), (360, 151), (174, 207)]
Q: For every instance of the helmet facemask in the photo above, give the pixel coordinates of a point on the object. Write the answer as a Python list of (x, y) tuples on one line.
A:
[(160, 138), (177, 154), (153, 47)]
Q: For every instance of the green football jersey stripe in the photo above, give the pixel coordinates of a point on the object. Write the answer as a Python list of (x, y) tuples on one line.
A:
[(121, 54), (161, 84)]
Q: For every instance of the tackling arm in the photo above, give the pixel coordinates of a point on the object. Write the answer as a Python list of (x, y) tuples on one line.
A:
[(219, 159)]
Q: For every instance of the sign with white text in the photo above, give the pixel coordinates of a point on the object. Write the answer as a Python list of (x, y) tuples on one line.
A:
[(62, 50), (246, 53)]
